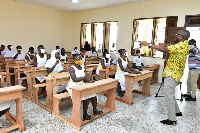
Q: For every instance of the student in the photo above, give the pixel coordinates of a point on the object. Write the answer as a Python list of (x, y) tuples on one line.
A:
[(77, 76), (93, 53), (40, 60), (53, 65), (123, 68), (105, 61), (9, 52), (75, 51), (138, 61), (29, 56), (2, 49), (63, 56), (116, 57), (83, 56), (19, 55)]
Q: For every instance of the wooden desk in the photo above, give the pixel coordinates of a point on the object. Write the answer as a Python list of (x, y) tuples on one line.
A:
[(13, 93), (78, 92), (130, 79), (155, 69), (105, 73), (2, 77), (93, 66)]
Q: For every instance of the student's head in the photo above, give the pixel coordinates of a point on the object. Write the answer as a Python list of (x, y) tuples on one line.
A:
[(77, 59), (10, 47), (31, 50), (62, 51), (106, 54), (192, 42), (55, 54), (57, 47), (41, 49), (82, 51), (75, 48), (138, 52), (86, 42), (19, 48), (123, 53), (2, 47), (182, 35)]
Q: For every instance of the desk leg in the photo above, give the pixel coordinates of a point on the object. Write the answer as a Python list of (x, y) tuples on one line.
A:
[(155, 75), (19, 114), (102, 75), (146, 87), (49, 91), (76, 111), (16, 76), (30, 84), (128, 96), (110, 103)]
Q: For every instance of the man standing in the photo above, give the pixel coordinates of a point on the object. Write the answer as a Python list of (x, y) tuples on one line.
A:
[(193, 73), (173, 72)]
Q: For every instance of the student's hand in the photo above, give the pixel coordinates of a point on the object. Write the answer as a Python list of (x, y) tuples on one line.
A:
[(57, 62)]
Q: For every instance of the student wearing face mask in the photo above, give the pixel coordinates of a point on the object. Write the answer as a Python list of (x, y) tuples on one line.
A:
[(40, 60), (30, 55), (53, 65), (63, 56), (138, 61), (75, 51), (78, 75), (123, 68), (19, 55), (9, 53), (105, 61)]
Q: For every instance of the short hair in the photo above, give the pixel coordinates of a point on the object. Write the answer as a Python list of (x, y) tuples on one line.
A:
[(185, 34), (40, 46), (31, 48), (121, 51), (2, 45), (105, 51), (57, 47), (75, 55), (18, 47), (192, 42)]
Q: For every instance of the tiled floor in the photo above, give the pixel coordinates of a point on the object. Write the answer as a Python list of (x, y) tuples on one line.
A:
[(142, 117)]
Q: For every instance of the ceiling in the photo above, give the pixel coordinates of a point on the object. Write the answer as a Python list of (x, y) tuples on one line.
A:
[(67, 5)]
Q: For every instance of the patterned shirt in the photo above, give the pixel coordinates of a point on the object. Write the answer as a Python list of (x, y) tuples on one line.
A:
[(193, 59), (177, 60)]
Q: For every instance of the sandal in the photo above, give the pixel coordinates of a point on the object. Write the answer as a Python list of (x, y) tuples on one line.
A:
[(87, 117), (97, 112)]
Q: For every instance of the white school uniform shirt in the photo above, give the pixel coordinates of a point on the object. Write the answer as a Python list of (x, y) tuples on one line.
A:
[(138, 61), (20, 56), (71, 83), (116, 58), (8, 53), (63, 58), (100, 66), (75, 52), (41, 62), (92, 54), (3, 52)]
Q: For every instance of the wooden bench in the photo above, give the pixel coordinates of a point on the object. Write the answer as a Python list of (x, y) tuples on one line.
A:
[(78, 92), (155, 69), (13, 93)]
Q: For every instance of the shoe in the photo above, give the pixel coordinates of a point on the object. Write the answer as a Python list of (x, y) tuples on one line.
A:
[(186, 95), (168, 122), (190, 99), (179, 114)]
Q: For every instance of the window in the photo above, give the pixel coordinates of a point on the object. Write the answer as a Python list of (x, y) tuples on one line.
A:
[(85, 34)]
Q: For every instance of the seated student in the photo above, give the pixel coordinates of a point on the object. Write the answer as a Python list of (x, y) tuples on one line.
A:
[(77, 76), (75, 51), (83, 55), (148, 50), (29, 56), (123, 68), (4, 107), (63, 56), (105, 61), (53, 65), (116, 57), (138, 61), (93, 53), (40, 60), (9, 53), (19, 55), (2, 49)]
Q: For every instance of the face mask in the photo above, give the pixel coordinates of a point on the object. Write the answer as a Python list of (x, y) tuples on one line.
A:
[(126, 54), (82, 53), (80, 62), (63, 52), (19, 50), (42, 51), (11, 47), (108, 56), (138, 54)]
